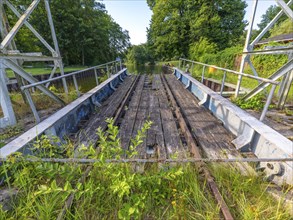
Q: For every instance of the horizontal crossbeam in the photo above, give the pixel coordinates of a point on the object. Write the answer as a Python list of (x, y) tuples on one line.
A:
[(18, 24), (191, 160)]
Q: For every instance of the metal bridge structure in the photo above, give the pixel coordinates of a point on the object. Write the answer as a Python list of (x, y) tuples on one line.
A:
[(285, 72), (188, 117), (11, 58)]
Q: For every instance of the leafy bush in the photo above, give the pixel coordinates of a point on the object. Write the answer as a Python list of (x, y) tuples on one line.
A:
[(255, 103), (121, 190)]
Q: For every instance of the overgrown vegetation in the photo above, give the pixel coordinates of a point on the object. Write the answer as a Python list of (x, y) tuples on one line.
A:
[(256, 103), (121, 191)]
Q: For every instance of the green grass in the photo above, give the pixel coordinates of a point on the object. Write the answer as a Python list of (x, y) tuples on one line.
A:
[(119, 191), (42, 71)]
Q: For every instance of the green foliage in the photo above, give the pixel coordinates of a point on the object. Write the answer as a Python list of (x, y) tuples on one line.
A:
[(85, 31), (256, 103), (10, 132), (285, 27), (119, 191), (198, 49), (247, 195), (139, 54), (181, 27), (268, 64), (225, 58)]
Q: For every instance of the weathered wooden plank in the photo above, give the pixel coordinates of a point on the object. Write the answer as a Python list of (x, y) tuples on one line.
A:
[(87, 135), (214, 139), (171, 134), (127, 124), (155, 137)]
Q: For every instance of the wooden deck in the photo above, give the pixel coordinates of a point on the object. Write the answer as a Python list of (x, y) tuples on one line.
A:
[(149, 101)]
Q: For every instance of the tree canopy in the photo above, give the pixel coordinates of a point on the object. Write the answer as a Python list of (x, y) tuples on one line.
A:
[(179, 26), (85, 31)]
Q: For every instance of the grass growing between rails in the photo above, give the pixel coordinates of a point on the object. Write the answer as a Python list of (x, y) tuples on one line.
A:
[(120, 191)]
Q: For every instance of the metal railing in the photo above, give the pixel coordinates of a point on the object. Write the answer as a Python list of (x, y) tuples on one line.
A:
[(272, 82), (109, 72)]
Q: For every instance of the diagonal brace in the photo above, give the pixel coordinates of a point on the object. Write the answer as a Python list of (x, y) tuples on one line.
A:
[(29, 26), (269, 25), (18, 70), (18, 24), (285, 8)]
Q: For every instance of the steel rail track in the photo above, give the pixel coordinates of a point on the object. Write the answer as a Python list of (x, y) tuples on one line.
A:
[(188, 160), (69, 201), (194, 149)]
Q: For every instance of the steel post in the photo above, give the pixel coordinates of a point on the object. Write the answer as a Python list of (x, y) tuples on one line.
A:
[(202, 74), (268, 102), (5, 101), (52, 74), (285, 90), (96, 76), (32, 105), (76, 85), (108, 74), (192, 66), (223, 83), (246, 48), (54, 37)]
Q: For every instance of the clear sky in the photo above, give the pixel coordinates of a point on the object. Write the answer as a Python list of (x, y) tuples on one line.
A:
[(135, 15)]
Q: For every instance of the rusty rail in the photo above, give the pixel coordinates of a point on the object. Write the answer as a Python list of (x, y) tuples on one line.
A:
[(70, 199), (194, 149)]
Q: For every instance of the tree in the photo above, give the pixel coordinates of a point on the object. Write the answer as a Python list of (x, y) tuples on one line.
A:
[(177, 25), (139, 54)]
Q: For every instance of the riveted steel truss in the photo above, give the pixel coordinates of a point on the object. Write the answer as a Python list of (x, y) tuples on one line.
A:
[(11, 58), (285, 71)]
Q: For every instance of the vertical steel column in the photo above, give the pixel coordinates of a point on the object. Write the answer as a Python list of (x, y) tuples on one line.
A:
[(96, 76), (268, 102), (202, 74), (223, 83), (54, 37), (4, 29), (108, 74), (5, 102), (120, 65), (76, 85), (192, 66), (32, 105), (285, 89), (246, 48)]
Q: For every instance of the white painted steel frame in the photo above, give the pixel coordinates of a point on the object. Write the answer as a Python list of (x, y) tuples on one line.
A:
[(7, 59), (249, 47), (263, 141), (47, 126)]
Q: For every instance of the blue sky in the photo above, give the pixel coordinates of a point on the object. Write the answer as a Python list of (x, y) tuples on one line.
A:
[(135, 15)]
